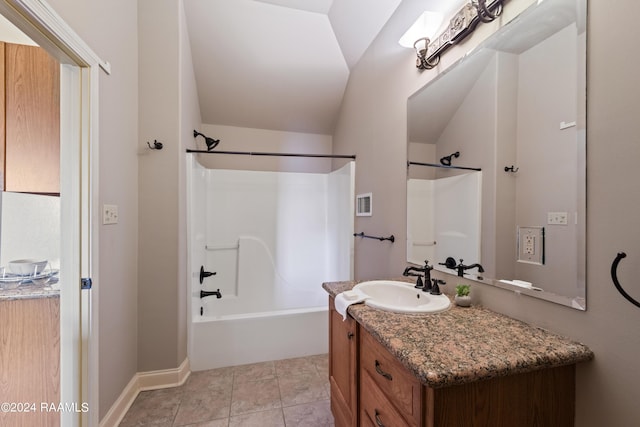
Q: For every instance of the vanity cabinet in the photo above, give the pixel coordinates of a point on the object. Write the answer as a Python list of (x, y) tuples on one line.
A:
[(371, 387), (29, 119), (29, 360), (343, 358)]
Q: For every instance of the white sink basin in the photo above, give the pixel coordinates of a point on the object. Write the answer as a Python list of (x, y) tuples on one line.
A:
[(401, 297)]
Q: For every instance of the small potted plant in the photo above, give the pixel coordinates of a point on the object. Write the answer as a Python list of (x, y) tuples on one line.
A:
[(462, 297)]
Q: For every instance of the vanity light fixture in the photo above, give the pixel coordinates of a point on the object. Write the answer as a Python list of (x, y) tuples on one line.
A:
[(460, 26)]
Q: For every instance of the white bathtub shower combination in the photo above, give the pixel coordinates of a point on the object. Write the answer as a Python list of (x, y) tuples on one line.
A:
[(272, 238)]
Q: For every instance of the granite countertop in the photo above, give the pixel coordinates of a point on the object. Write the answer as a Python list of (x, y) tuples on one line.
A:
[(463, 344), (29, 291)]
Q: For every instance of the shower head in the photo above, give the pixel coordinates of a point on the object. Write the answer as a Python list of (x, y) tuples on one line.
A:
[(211, 143), (446, 160)]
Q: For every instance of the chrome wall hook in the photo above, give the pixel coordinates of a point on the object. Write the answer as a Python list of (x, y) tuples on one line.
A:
[(156, 145)]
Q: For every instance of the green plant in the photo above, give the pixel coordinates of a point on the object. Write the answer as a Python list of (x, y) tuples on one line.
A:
[(463, 290)]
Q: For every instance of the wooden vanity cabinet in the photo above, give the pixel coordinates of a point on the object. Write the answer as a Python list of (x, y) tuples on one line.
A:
[(372, 388), (343, 359), (30, 361), (29, 119)]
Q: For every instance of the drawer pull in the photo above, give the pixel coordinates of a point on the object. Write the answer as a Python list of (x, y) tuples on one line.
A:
[(378, 422), (349, 335), (383, 373)]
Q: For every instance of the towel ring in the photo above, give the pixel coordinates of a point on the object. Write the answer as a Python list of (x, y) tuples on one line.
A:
[(614, 277)]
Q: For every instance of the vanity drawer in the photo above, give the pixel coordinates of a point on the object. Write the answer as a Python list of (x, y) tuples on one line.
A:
[(399, 386), (375, 408)]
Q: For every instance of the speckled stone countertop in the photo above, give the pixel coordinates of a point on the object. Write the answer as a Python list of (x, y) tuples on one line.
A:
[(28, 291), (463, 344)]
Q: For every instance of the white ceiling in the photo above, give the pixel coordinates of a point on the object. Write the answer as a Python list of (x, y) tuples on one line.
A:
[(279, 64)]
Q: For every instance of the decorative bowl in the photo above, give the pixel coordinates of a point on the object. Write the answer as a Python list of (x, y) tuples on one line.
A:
[(27, 267)]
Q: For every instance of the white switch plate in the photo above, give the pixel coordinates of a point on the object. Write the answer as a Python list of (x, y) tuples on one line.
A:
[(557, 218), (109, 214)]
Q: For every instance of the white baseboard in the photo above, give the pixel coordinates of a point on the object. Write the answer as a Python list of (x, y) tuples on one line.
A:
[(143, 381)]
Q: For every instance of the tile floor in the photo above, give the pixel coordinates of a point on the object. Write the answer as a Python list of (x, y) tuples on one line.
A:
[(290, 392)]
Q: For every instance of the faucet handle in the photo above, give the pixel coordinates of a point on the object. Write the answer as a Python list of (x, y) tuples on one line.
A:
[(419, 283), (449, 263), (435, 289)]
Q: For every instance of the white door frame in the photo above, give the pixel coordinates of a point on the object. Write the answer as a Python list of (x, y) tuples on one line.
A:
[(80, 71)]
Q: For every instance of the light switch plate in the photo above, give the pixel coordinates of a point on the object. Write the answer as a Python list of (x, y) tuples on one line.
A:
[(109, 214), (557, 218)]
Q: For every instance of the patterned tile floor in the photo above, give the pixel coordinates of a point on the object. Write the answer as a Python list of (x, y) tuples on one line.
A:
[(283, 393)]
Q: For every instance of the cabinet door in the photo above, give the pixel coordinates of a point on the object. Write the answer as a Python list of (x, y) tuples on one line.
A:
[(30, 356), (32, 120), (342, 367)]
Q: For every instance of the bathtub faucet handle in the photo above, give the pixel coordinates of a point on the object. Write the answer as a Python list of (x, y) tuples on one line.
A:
[(204, 274), (210, 293)]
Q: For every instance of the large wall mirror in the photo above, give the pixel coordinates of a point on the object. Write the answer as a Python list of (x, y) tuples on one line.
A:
[(496, 159)]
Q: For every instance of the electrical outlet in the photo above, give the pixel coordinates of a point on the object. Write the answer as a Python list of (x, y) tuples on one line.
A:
[(557, 218), (109, 214), (529, 247)]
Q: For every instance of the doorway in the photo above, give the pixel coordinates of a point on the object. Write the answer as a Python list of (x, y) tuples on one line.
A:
[(79, 74)]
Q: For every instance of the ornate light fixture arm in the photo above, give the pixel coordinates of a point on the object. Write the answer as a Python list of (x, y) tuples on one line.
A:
[(460, 26)]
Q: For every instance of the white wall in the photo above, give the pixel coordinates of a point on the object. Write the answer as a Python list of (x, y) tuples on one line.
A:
[(168, 112), (29, 228), (96, 22), (234, 138)]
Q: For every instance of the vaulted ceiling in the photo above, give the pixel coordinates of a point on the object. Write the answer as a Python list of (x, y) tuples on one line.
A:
[(278, 64)]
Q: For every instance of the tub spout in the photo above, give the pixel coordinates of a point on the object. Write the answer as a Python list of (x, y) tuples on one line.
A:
[(210, 293)]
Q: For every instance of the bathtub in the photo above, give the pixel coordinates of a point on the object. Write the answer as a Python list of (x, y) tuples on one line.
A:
[(260, 317), (238, 339), (272, 239)]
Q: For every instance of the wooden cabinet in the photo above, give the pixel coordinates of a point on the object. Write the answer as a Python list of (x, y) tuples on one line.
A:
[(370, 387), (30, 120), (30, 361), (343, 359)]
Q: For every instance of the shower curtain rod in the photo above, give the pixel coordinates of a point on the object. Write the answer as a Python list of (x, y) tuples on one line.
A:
[(257, 153), (435, 165)]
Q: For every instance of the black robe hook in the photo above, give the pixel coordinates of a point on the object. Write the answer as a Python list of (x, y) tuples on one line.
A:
[(156, 145)]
